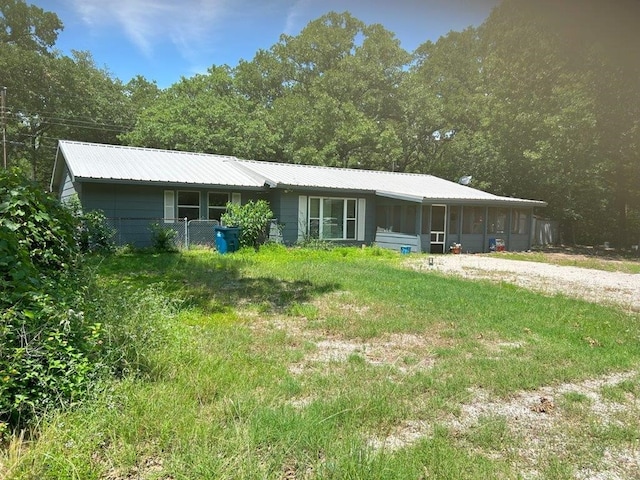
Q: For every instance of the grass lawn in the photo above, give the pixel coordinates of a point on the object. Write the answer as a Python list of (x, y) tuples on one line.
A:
[(305, 364)]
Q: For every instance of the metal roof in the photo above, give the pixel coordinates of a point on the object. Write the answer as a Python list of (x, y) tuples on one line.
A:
[(405, 186), (92, 161), (96, 162)]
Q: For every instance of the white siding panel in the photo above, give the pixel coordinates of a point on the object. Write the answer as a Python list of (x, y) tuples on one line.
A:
[(302, 217), (362, 213), (169, 206)]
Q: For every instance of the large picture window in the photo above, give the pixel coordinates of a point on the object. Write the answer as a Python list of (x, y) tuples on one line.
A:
[(332, 218), (189, 205)]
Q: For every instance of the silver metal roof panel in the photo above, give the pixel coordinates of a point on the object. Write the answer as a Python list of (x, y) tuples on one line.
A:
[(91, 161), (98, 162)]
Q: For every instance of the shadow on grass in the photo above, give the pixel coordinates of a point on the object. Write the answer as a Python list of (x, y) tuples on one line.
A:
[(210, 282)]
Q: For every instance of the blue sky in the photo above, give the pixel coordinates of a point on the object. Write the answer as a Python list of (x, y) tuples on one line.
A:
[(164, 40)]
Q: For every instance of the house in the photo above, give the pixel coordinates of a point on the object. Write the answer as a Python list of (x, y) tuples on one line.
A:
[(136, 186)]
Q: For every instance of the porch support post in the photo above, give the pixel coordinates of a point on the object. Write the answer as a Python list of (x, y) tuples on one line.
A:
[(485, 247), (508, 227), (419, 225)]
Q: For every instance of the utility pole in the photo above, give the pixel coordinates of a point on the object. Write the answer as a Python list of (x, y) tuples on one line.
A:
[(3, 101)]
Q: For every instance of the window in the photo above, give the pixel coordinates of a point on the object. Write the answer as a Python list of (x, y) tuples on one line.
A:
[(217, 205), (473, 220), (520, 221), (497, 220), (332, 218), (189, 205)]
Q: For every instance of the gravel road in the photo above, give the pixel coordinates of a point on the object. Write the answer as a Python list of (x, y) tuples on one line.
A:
[(615, 288)]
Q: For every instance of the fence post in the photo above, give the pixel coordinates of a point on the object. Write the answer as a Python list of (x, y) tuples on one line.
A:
[(186, 233)]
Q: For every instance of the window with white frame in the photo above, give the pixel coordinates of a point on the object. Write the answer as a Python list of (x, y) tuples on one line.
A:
[(188, 204), (332, 218), (217, 204)]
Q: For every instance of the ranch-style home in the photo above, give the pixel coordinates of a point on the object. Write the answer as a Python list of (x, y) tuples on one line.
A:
[(136, 187)]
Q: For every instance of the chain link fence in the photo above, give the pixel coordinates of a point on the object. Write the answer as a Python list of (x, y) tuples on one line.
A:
[(138, 232), (200, 233)]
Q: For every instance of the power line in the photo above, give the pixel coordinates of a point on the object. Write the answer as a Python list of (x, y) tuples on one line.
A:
[(72, 122)]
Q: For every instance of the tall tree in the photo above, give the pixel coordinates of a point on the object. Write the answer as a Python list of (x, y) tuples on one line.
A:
[(540, 117), (28, 26), (52, 96), (205, 113)]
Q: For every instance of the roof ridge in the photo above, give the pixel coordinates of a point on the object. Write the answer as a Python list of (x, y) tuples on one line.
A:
[(147, 149), (325, 167)]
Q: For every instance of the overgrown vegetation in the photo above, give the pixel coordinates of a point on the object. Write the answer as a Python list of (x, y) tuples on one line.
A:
[(59, 334), (43, 336), (93, 234), (253, 220), (163, 238), (341, 364)]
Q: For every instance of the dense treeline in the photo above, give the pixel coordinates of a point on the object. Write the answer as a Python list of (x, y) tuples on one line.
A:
[(539, 102)]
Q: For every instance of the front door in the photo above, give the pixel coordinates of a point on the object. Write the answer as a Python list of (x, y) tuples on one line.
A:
[(438, 223)]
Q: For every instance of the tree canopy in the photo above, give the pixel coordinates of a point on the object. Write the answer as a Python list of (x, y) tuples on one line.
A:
[(540, 102)]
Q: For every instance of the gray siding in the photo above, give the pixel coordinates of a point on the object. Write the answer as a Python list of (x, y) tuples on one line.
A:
[(132, 209), (286, 211), (67, 189)]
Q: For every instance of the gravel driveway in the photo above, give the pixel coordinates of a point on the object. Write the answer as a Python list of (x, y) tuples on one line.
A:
[(617, 288)]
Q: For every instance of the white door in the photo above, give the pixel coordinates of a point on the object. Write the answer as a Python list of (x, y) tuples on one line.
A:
[(438, 224)]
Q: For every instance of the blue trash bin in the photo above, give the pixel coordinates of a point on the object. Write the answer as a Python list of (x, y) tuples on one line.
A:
[(227, 238), (492, 244)]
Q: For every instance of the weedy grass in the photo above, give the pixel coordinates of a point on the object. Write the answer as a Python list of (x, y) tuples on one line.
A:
[(339, 363)]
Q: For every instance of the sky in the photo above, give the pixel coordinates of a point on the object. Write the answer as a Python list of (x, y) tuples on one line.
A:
[(165, 40)]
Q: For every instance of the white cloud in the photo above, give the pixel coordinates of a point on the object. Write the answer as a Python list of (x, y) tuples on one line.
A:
[(297, 16), (146, 23)]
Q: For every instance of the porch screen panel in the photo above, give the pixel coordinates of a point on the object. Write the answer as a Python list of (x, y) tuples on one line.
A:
[(454, 218), (497, 220), (473, 220), (520, 221)]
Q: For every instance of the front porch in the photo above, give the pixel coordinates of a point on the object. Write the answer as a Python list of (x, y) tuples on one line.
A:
[(433, 228)]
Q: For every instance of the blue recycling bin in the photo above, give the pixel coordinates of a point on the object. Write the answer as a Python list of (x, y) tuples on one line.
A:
[(227, 238)]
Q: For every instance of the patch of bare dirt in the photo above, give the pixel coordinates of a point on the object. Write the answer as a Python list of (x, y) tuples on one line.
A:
[(542, 427), (599, 286), (405, 352)]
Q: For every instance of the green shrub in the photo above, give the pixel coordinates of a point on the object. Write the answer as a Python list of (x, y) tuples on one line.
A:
[(43, 228), (44, 336), (163, 239), (253, 220), (93, 233)]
